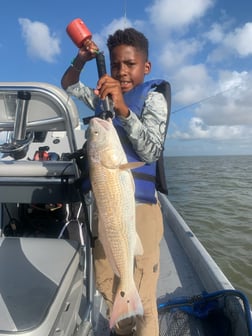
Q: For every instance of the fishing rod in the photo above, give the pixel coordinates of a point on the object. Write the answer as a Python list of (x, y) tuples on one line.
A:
[(80, 34)]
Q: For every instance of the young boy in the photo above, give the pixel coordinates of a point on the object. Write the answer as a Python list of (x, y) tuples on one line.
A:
[(141, 119)]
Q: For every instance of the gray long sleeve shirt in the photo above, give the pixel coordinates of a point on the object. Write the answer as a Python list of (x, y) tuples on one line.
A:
[(147, 133)]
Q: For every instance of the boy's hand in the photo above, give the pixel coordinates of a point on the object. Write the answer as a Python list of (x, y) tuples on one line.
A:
[(88, 51), (85, 53), (108, 86)]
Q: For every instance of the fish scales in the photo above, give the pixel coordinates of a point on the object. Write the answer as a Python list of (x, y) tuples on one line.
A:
[(113, 189), (114, 220)]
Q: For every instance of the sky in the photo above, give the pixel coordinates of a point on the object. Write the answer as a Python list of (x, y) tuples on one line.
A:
[(202, 47)]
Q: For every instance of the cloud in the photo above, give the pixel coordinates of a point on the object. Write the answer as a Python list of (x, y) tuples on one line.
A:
[(172, 14), (120, 23), (216, 33), (198, 130), (192, 83), (176, 53), (232, 104), (40, 43), (241, 40), (224, 115), (218, 97), (237, 41)]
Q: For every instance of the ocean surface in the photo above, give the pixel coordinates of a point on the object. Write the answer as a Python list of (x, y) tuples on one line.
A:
[(214, 196)]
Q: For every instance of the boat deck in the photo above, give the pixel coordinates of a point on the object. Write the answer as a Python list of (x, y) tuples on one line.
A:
[(177, 276)]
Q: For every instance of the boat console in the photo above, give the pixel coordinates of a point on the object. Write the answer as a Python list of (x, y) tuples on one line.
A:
[(41, 276), (32, 115)]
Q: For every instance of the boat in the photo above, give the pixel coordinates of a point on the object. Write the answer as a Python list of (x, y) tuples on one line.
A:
[(46, 273)]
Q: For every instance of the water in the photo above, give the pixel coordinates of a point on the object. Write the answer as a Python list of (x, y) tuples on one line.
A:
[(214, 196)]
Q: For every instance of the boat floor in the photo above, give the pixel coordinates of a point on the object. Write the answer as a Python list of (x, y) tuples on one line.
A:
[(177, 276)]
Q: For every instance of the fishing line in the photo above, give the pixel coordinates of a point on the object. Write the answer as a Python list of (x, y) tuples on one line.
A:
[(205, 99)]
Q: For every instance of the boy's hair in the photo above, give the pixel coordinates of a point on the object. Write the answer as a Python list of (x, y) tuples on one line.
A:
[(131, 37)]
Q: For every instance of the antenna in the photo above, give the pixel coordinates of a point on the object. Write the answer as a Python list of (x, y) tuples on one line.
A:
[(125, 13)]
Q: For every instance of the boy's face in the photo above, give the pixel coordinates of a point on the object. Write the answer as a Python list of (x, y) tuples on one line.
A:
[(128, 66)]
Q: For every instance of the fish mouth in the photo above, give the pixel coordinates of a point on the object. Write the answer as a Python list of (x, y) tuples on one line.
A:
[(98, 122)]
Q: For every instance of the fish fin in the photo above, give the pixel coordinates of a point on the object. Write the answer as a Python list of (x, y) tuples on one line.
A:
[(126, 304), (131, 165), (139, 247), (111, 159)]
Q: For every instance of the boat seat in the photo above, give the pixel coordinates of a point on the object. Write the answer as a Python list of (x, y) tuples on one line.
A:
[(24, 181), (34, 290)]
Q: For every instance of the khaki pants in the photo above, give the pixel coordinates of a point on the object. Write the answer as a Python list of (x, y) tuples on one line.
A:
[(149, 225)]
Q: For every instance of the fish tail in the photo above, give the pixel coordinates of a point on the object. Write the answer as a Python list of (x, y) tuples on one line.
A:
[(127, 304)]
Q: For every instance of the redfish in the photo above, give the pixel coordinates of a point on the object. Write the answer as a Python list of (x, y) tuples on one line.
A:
[(113, 188)]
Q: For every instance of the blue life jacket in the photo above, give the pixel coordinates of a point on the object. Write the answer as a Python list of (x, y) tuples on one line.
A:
[(145, 176)]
